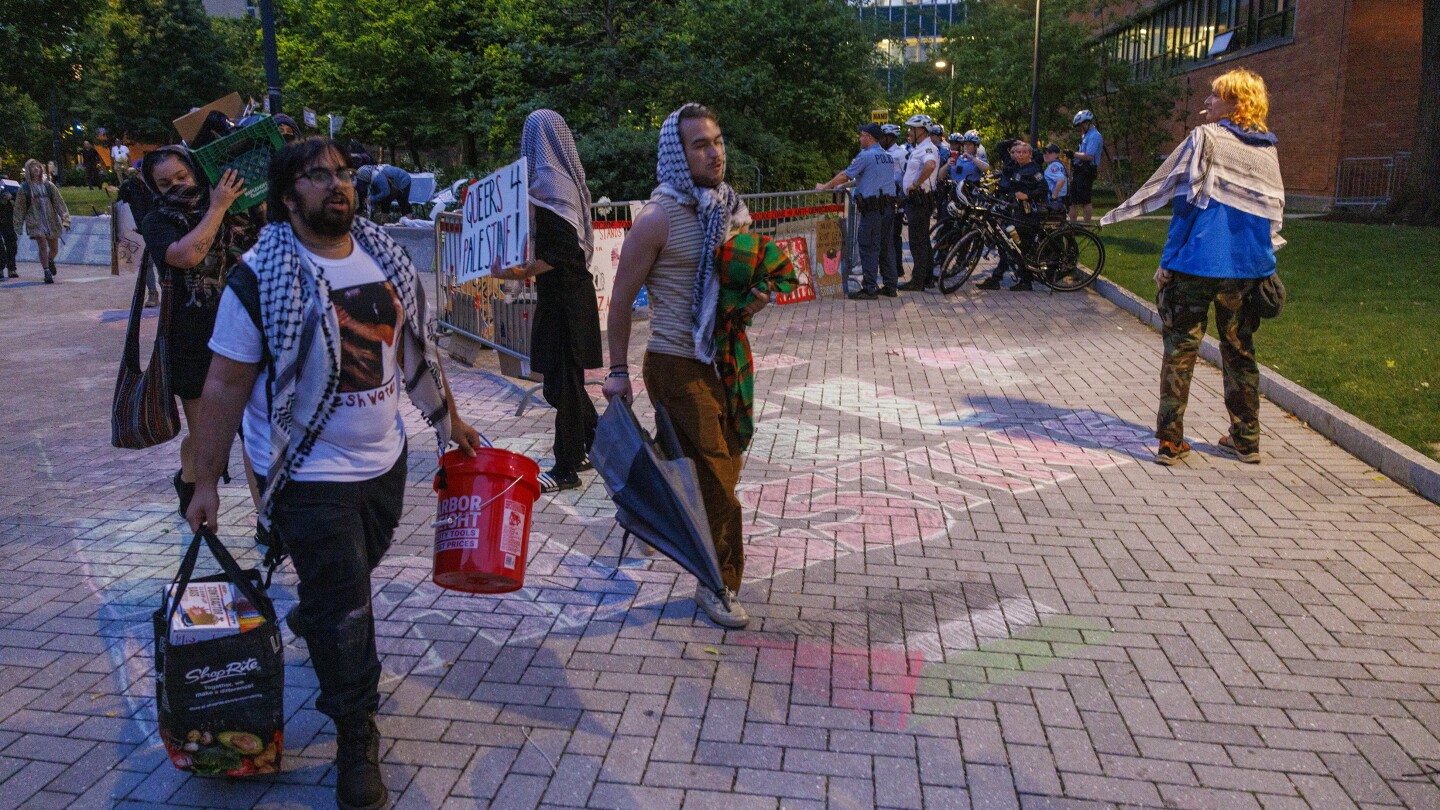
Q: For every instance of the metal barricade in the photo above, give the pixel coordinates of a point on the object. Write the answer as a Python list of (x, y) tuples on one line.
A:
[(1369, 182), (499, 315)]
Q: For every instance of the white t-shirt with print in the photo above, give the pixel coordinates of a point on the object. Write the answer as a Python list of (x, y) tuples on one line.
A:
[(923, 152), (366, 434)]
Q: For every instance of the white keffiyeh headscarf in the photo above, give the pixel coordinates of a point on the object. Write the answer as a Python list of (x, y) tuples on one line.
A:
[(722, 213), (557, 179)]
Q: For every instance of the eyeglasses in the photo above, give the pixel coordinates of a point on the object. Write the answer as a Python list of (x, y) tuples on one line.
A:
[(325, 177)]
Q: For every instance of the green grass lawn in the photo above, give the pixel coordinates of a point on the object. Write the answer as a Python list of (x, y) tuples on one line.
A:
[(1360, 320), (83, 202)]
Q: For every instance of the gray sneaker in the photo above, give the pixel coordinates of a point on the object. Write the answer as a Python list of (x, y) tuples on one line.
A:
[(723, 608)]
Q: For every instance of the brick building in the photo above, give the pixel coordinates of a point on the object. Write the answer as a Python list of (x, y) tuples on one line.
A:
[(1343, 75)]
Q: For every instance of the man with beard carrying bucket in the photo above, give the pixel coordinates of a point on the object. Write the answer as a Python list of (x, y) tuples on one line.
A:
[(320, 326)]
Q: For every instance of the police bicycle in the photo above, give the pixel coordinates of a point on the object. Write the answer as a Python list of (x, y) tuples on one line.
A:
[(1064, 256)]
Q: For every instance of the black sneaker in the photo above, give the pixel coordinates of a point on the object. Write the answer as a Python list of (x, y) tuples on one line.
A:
[(1022, 286), (889, 292), (912, 286), (584, 465), (49, 277), (358, 784), (988, 284), (555, 480), (863, 295)]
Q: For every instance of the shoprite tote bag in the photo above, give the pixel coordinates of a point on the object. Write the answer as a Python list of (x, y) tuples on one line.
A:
[(220, 701), (143, 412)]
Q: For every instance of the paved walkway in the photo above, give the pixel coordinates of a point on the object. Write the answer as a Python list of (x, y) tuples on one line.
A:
[(970, 588)]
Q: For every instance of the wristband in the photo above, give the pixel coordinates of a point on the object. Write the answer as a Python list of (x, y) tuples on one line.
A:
[(624, 374)]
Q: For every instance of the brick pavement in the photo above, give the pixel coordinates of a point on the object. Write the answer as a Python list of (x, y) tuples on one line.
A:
[(970, 588)]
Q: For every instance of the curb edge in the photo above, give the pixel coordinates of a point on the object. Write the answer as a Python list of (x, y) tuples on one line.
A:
[(1399, 462)]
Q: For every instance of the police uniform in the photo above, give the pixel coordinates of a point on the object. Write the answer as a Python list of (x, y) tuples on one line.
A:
[(919, 204), (873, 172), (898, 155), (1085, 170), (1028, 178)]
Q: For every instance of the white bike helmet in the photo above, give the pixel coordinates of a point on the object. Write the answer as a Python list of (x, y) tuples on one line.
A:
[(1081, 117), (890, 129), (971, 137), (936, 129), (918, 120)]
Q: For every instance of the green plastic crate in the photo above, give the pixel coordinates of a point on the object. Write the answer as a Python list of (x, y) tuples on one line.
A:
[(247, 151)]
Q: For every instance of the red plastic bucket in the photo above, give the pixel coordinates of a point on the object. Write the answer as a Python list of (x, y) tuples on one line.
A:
[(482, 531)]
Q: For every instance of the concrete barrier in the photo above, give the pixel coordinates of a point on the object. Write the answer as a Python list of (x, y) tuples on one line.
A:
[(88, 242), (418, 242), (1401, 463)]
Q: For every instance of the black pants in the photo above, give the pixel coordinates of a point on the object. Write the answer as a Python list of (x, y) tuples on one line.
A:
[(917, 216), (575, 417), (336, 532), (1021, 271), (9, 247), (875, 260), (897, 239)]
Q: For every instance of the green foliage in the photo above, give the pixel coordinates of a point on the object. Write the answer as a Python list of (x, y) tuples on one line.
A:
[(919, 104), (21, 129), (992, 53), (382, 65), (157, 60), (1368, 348), (1135, 116)]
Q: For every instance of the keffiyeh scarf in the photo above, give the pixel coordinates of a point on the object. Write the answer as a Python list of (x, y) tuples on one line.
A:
[(721, 211), (1215, 163), (302, 333), (557, 179), (748, 263)]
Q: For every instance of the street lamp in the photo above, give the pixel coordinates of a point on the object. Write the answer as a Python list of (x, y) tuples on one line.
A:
[(941, 64), (272, 62)]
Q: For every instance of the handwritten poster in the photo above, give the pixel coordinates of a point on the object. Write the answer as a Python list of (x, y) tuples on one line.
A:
[(799, 253), (495, 228)]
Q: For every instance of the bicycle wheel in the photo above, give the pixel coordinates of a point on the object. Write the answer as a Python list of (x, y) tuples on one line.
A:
[(960, 262), (1069, 259)]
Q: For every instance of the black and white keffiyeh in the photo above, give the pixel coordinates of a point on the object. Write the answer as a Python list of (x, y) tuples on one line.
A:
[(302, 333), (722, 213), (557, 179)]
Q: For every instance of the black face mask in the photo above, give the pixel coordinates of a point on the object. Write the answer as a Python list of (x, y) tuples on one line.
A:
[(186, 198)]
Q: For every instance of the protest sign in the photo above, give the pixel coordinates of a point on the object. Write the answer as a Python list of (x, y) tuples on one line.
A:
[(495, 229), (603, 263), (799, 253)]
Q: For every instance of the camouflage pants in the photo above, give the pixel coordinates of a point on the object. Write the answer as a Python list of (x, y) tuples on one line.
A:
[(1184, 304)]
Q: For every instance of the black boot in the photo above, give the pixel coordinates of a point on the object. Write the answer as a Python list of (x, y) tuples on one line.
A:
[(358, 784)]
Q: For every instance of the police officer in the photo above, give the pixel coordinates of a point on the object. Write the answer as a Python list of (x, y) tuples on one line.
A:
[(937, 137), (871, 173), (889, 135), (1085, 165), (1025, 182), (979, 147), (922, 168), (966, 164)]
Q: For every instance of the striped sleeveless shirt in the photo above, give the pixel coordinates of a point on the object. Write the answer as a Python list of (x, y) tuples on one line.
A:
[(671, 283)]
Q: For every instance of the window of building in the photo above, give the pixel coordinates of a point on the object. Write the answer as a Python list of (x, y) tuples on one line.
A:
[(1179, 34)]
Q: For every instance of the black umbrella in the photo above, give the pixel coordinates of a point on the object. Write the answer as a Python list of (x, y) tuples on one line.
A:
[(655, 490)]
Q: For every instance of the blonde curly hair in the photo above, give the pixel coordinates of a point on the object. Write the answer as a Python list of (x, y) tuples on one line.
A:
[(1246, 90)]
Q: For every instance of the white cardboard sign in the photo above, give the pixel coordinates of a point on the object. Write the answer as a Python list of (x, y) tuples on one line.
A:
[(495, 230)]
